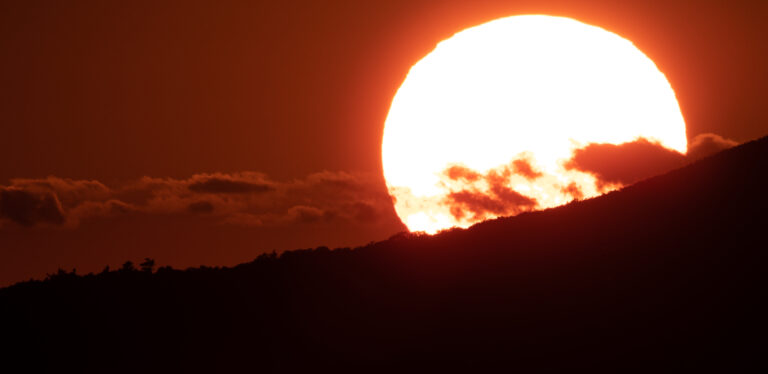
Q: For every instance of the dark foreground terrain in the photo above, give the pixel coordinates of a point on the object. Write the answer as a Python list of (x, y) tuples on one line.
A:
[(668, 274)]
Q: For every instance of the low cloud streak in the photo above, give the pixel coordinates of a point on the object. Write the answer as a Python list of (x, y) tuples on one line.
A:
[(246, 198), (626, 163)]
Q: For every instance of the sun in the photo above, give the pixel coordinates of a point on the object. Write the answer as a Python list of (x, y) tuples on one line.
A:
[(490, 117)]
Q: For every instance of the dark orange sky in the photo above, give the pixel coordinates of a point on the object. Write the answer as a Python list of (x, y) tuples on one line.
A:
[(112, 92)]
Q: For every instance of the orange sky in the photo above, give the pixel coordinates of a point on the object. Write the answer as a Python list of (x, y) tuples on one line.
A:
[(109, 92)]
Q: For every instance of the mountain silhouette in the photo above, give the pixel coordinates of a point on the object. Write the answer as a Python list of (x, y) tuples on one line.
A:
[(667, 274)]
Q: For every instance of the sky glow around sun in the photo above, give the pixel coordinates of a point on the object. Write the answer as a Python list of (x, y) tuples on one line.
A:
[(493, 114)]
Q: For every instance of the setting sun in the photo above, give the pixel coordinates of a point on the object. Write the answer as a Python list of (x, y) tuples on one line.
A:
[(492, 116)]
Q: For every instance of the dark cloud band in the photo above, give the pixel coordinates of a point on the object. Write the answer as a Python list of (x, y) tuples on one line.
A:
[(633, 161), (245, 198)]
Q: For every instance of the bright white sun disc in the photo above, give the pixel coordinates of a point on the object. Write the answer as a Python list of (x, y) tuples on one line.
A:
[(530, 88)]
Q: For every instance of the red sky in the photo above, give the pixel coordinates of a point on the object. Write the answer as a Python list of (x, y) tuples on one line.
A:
[(295, 92)]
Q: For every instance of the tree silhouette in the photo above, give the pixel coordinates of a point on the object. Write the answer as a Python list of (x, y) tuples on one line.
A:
[(127, 267), (147, 265)]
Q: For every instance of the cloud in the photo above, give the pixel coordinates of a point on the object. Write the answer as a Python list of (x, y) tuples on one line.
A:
[(245, 198), (226, 186), (200, 207), (523, 185), (624, 163), (704, 145), (481, 204), (307, 214), (473, 196), (68, 191), (522, 166), (458, 172), (573, 190), (254, 199), (630, 162), (493, 197), (365, 212), (28, 208)]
